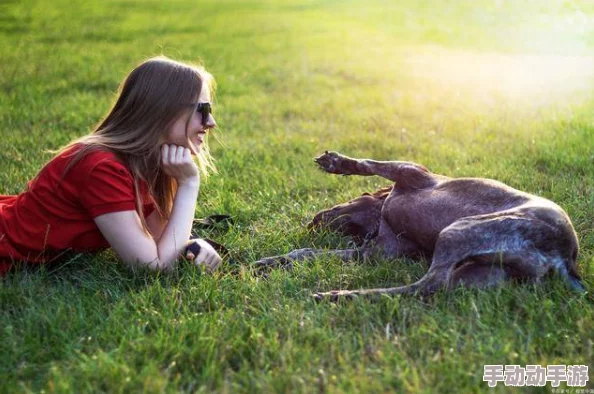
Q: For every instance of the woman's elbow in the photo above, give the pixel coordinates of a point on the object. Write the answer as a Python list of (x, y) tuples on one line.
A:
[(149, 264), (147, 257)]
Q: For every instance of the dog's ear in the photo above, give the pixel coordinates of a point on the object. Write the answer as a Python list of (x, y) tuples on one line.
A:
[(379, 193), (383, 192)]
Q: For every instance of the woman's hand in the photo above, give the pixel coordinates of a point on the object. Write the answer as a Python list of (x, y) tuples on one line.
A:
[(203, 255), (178, 163)]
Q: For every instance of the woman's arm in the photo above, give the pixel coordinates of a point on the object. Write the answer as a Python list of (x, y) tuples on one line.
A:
[(123, 231), (156, 225)]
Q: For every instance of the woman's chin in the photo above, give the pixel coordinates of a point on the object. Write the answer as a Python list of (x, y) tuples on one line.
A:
[(195, 149)]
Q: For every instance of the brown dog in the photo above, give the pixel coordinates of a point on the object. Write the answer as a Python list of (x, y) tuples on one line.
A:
[(477, 232)]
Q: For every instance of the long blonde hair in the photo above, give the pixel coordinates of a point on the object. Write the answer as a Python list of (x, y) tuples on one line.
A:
[(150, 99)]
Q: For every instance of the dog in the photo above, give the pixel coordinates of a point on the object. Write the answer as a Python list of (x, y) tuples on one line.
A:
[(475, 232)]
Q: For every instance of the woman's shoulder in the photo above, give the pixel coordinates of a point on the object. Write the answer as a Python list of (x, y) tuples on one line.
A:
[(79, 161), (92, 156)]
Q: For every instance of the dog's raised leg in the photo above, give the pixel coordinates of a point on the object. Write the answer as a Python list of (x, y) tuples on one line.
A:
[(405, 174)]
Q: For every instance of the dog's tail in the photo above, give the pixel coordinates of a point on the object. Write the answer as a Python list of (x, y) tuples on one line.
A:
[(575, 282), (573, 277)]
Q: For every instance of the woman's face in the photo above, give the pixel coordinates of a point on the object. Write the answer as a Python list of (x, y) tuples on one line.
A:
[(196, 129)]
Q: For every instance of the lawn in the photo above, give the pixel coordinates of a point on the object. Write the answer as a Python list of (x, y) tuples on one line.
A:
[(491, 88)]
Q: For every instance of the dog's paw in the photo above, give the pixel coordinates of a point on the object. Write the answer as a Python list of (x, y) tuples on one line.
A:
[(335, 295), (333, 162)]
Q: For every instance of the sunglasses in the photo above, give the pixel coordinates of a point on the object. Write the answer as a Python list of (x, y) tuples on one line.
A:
[(204, 109)]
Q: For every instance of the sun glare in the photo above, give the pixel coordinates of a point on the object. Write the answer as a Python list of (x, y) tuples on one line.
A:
[(540, 78)]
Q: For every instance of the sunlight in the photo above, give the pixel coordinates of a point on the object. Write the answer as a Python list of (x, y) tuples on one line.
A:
[(541, 79)]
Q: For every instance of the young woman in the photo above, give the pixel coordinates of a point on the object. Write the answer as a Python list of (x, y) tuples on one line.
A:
[(131, 184)]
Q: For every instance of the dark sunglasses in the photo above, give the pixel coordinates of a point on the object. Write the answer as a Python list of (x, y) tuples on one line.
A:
[(204, 109)]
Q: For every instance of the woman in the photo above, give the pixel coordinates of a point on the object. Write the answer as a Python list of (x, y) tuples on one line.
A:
[(131, 184)]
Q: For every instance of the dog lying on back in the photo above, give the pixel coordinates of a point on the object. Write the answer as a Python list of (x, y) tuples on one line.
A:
[(477, 232)]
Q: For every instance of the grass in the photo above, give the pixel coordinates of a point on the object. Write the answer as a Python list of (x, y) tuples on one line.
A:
[(468, 88)]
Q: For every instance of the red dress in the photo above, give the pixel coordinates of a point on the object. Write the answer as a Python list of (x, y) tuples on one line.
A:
[(56, 214)]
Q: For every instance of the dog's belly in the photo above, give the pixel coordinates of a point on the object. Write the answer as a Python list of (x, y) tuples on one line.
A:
[(420, 215), (420, 222)]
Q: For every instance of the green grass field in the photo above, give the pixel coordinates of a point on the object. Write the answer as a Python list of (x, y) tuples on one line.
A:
[(491, 88)]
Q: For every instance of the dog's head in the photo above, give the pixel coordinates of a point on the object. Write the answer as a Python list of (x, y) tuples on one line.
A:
[(358, 218)]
